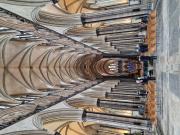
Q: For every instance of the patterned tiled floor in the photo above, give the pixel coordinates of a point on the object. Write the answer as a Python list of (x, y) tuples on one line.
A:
[(167, 67)]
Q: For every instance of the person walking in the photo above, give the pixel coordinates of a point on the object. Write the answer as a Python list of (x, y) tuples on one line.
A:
[(147, 58), (145, 79)]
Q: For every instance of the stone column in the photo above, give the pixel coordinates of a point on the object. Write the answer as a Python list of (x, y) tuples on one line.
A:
[(113, 14), (120, 105), (123, 96), (120, 121), (120, 28)]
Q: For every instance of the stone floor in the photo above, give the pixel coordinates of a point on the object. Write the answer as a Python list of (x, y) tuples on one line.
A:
[(168, 66)]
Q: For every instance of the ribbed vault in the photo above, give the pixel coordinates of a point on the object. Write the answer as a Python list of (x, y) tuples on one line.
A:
[(40, 67)]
